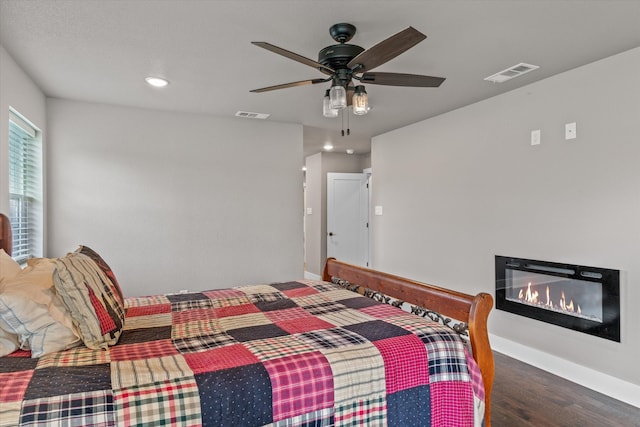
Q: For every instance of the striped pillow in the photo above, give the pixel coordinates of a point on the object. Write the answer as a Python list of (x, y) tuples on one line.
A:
[(30, 309), (9, 268), (8, 342), (94, 302)]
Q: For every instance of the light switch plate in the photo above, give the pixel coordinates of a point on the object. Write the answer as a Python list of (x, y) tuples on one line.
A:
[(378, 210), (570, 131), (535, 137), (309, 211)]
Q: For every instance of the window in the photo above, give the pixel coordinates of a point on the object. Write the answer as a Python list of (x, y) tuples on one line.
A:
[(25, 187)]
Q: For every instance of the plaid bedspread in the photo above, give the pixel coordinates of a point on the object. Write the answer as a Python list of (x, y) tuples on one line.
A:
[(302, 353)]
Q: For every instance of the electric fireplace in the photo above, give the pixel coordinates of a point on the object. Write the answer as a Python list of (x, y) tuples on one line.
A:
[(585, 299)]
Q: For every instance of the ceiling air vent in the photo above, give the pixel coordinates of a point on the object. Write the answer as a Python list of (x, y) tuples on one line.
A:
[(511, 72), (249, 115)]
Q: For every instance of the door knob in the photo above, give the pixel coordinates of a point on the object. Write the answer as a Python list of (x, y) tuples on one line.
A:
[(331, 234)]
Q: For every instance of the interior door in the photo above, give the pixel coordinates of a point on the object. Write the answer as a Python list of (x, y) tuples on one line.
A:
[(348, 217)]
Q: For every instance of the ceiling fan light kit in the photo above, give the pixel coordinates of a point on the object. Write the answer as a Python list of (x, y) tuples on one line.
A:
[(338, 96), (360, 101), (343, 63), (327, 111)]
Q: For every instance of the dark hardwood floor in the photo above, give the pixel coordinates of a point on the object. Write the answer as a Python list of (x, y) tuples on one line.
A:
[(527, 396)]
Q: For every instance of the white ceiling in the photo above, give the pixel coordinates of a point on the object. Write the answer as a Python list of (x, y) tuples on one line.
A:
[(100, 51)]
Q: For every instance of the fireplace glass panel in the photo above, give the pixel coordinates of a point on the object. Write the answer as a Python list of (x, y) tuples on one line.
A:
[(573, 297)]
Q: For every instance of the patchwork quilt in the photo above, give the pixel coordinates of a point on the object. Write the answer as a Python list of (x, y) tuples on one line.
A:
[(303, 353)]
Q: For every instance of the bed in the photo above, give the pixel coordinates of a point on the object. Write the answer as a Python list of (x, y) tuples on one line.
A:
[(341, 351)]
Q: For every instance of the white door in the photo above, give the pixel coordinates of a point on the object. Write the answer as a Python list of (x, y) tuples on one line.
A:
[(348, 217)]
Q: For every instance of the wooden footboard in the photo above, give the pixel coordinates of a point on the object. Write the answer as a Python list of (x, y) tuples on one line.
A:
[(473, 310)]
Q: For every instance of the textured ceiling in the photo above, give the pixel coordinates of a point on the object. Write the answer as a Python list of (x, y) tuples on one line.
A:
[(100, 51)]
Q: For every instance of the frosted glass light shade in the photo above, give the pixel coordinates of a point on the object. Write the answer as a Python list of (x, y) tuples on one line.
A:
[(327, 111), (338, 97)]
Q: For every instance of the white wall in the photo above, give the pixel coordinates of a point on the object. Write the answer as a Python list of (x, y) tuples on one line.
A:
[(175, 201), (18, 91), (462, 187)]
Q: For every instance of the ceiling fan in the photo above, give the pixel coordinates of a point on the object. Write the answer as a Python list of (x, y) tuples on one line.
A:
[(343, 63)]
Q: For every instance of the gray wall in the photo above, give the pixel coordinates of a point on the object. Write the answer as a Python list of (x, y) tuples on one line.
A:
[(462, 187), (175, 201), (313, 221), (318, 166)]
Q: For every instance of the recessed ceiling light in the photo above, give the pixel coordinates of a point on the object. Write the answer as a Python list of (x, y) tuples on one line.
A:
[(328, 146), (350, 151), (157, 81)]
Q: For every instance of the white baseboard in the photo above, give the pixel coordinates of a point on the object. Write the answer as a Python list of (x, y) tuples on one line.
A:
[(311, 276), (587, 377)]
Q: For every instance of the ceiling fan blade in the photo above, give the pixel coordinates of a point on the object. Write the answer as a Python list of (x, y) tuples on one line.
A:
[(294, 56), (292, 84), (386, 50), (400, 79)]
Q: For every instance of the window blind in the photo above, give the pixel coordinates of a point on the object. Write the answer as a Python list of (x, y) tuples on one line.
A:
[(25, 188)]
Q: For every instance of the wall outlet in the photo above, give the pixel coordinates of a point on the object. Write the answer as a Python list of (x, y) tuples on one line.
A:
[(535, 137), (570, 131)]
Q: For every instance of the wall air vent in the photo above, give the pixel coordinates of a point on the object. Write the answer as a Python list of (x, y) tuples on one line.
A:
[(511, 72), (249, 115)]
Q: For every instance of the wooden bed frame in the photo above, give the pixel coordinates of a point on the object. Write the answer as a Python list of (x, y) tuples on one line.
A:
[(469, 309), (5, 234), (472, 310)]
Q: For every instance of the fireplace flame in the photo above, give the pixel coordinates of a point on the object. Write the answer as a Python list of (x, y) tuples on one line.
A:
[(549, 303), (533, 297)]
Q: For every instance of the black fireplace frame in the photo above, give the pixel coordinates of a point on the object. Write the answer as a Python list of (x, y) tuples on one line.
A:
[(608, 278)]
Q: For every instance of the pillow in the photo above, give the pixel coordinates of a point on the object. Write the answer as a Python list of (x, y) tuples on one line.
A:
[(9, 268), (30, 309), (8, 342), (91, 298), (85, 250)]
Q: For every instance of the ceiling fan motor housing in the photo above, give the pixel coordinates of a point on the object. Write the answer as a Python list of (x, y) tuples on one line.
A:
[(338, 55)]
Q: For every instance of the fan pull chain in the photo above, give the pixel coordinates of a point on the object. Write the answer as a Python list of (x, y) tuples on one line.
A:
[(348, 128), (342, 116)]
